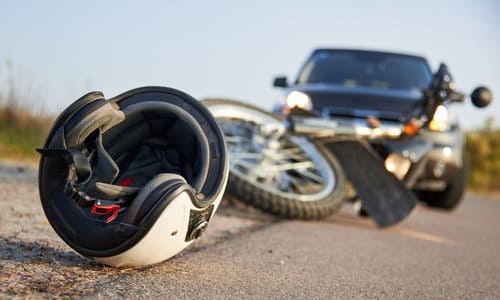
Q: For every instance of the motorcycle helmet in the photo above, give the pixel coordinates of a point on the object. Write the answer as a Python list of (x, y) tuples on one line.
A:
[(133, 180)]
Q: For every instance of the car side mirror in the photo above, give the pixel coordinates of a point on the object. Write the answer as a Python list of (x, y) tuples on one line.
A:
[(481, 96), (280, 82)]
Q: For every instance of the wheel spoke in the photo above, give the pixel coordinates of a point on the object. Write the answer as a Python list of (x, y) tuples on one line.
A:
[(293, 166), (311, 175)]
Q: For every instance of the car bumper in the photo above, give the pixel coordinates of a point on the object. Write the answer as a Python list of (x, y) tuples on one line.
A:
[(358, 128), (440, 163)]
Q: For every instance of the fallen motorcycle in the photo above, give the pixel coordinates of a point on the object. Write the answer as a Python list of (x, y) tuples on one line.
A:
[(375, 119)]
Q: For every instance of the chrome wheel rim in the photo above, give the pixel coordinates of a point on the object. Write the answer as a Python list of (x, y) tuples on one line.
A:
[(262, 153)]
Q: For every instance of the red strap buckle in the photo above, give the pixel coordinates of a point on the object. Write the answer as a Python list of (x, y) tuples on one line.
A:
[(104, 210), (126, 182)]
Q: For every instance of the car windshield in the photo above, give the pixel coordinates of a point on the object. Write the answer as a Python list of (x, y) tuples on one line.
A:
[(366, 69)]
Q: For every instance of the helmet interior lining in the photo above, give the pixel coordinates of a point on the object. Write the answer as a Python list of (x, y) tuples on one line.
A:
[(158, 137)]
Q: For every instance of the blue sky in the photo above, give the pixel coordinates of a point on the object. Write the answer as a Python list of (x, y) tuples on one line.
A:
[(62, 49)]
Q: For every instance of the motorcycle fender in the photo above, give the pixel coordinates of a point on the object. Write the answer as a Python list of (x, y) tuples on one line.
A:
[(383, 196)]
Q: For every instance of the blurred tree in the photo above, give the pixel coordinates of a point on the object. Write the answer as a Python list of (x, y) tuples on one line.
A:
[(482, 151)]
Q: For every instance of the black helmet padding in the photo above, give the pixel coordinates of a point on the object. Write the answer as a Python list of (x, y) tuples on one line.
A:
[(104, 118)]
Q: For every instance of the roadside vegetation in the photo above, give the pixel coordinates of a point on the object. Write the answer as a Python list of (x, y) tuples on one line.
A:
[(23, 124), (21, 132), (482, 151)]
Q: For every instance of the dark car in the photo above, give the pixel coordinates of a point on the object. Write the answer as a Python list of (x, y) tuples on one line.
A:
[(387, 99)]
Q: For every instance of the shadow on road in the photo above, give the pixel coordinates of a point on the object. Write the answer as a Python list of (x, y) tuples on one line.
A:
[(21, 251)]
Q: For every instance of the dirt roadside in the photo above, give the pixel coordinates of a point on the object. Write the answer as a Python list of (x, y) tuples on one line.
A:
[(35, 263)]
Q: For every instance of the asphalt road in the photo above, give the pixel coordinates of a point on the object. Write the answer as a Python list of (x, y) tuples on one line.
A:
[(246, 254)]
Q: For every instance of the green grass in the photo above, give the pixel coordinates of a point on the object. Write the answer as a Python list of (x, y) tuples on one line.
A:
[(21, 132), (483, 154)]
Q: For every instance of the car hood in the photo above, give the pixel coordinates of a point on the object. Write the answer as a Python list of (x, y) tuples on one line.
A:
[(396, 105)]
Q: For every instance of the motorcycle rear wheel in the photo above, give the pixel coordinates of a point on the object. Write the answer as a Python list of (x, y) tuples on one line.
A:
[(281, 174)]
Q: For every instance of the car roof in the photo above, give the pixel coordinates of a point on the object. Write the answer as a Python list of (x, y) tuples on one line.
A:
[(319, 50)]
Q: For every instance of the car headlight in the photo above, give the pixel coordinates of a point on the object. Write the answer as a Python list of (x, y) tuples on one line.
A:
[(440, 121), (298, 99)]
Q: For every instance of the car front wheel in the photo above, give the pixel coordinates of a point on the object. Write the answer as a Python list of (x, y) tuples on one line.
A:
[(452, 195)]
